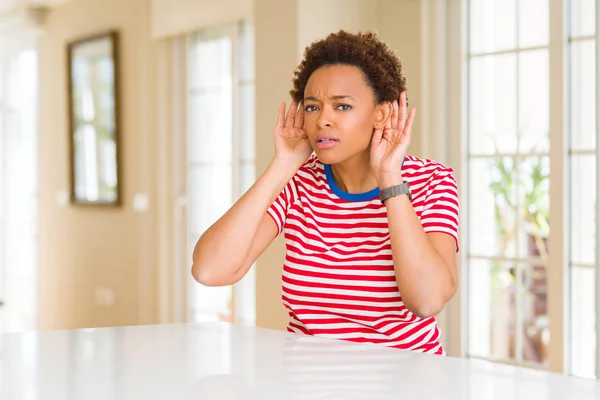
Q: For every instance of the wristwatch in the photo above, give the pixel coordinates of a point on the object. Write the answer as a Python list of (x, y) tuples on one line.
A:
[(393, 191)]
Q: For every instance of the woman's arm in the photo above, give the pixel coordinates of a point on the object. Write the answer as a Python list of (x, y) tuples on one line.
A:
[(228, 248), (225, 252), (425, 263)]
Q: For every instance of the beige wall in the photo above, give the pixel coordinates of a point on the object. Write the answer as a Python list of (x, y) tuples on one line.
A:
[(318, 18), (399, 24), (86, 251), (273, 81), (88, 255), (175, 17)]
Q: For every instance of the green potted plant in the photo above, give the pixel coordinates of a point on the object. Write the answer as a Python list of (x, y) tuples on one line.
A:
[(532, 208)]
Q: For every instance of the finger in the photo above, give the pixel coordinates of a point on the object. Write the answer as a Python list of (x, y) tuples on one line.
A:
[(407, 132), (402, 112), (299, 121), (377, 136), (281, 115), (289, 121), (389, 123), (394, 117)]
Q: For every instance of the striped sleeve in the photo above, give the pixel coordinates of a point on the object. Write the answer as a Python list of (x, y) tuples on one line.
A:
[(441, 208), (281, 206)]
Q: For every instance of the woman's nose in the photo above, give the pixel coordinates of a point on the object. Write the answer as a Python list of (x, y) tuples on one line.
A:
[(324, 120)]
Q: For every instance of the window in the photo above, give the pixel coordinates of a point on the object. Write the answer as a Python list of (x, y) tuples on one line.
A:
[(220, 152), (18, 197), (508, 175), (509, 178)]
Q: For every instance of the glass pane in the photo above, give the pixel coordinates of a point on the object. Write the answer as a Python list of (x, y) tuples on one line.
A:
[(533, 101), (247, 122), (534, 206), (18, 146), (583, 209), (2, 83), (583, 15), (210, 155), (210, 195), (493, 25), (533, 23), (534, 308), (3, 233), (491, 309), (22, 80), (247, 175), (583, 321), (246, 52), (583, 95), (492, 200), (493, 104), (210, 130), (210, 66)]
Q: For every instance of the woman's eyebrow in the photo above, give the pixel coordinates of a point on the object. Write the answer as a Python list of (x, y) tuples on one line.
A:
[(335, 97)]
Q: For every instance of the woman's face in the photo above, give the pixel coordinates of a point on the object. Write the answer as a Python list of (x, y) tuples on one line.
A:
[(340, 113)]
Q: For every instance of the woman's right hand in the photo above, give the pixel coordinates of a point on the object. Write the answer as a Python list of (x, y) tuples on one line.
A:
[(291, 140)]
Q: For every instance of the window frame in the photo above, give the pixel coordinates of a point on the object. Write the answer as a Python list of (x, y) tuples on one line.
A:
[(597, 283)]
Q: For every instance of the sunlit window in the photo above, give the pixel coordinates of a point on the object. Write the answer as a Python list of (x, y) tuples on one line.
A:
[(509, 176), (509, 181), (220, 152), (18, 194)]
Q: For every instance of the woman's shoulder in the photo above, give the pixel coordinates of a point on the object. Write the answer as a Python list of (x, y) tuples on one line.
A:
[(421, 167), (427, 174), (311, 173), (312, 166), (312, 162)]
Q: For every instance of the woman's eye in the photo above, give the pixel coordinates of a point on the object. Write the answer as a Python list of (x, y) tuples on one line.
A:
[(310, 108), (344, 107)]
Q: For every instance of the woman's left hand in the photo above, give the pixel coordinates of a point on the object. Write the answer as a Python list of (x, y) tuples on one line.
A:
[(390, 144)]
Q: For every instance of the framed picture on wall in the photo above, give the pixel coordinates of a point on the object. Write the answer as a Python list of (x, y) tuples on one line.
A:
[(93, 97)]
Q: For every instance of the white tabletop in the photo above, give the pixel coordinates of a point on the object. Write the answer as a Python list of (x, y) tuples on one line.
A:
[(223, 361)]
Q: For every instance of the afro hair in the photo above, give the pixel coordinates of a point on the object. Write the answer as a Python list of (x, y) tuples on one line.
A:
[(379, 63)]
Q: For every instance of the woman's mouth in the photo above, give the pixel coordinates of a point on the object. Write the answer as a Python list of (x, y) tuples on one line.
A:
[(325, 142)]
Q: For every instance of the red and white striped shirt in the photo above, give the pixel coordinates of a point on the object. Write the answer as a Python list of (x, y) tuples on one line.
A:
[(338, 276)]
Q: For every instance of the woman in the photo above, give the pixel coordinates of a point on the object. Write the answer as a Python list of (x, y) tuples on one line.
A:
[(371, 232)]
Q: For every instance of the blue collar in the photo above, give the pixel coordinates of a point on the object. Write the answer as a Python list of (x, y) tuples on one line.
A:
[(366, 196)]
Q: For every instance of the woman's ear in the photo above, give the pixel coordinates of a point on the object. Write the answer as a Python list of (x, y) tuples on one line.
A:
[(383, 112)]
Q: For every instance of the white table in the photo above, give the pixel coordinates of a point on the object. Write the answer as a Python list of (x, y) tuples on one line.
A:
[(223, 361)]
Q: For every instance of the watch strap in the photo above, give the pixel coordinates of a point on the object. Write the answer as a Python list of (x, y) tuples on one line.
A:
[(394, 191)]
